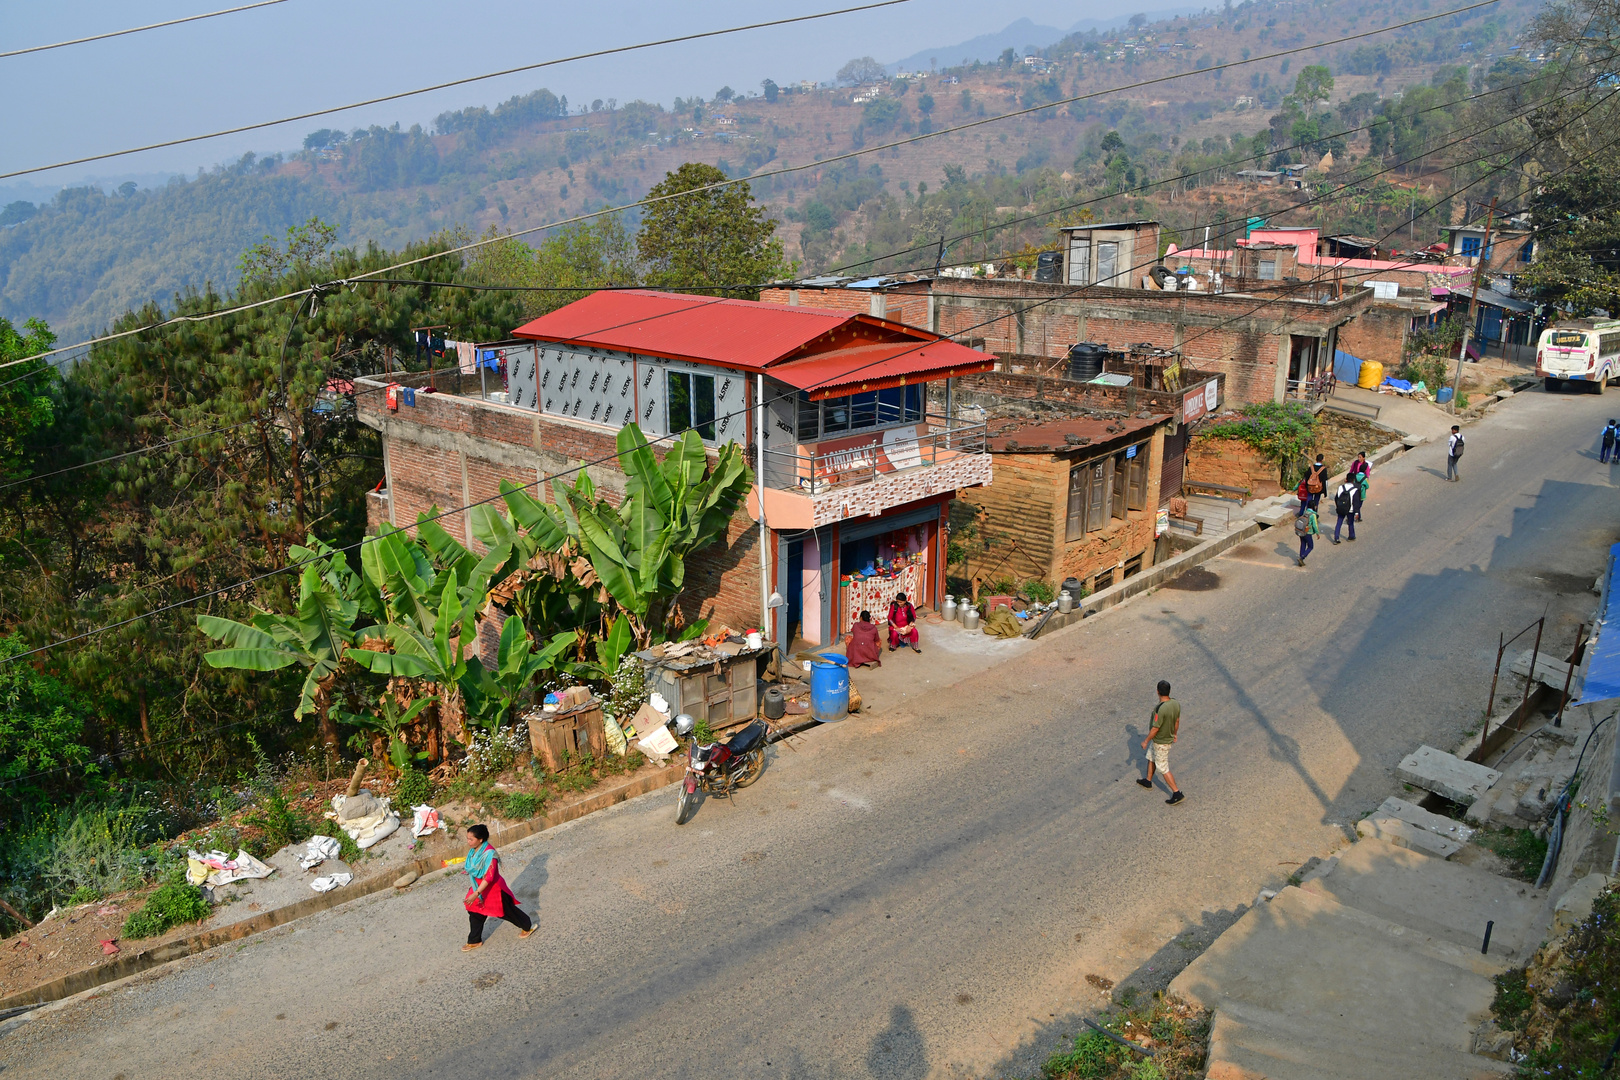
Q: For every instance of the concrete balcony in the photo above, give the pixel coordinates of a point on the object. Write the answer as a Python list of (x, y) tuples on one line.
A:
[(865, 474)]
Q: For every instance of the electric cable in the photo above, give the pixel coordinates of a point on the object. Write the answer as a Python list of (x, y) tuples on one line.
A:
[(702, 189), (472, 79), (139, 29)]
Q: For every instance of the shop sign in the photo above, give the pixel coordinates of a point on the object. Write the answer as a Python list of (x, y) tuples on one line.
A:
[(1200, 401), (883, 451), (1161, 524)]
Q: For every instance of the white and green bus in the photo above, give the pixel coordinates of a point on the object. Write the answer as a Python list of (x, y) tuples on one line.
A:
[(1579, 350)]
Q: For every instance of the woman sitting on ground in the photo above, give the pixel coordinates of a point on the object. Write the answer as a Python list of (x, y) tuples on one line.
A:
[(863, 643), (903, 624)]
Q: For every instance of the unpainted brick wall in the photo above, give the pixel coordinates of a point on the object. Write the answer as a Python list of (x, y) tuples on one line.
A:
[(1231, 462), (1379, 333)]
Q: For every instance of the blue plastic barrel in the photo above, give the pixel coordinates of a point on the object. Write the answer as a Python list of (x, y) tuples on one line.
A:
[(1443, 396), (829, 688)]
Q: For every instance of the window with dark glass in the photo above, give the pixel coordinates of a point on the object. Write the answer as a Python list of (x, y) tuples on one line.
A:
[(863, 410), (691, 403), (891, 405), (809, 418), (860, 412)]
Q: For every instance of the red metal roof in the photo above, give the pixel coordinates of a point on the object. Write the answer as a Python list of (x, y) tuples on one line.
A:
[(856, 369), (732, 333)]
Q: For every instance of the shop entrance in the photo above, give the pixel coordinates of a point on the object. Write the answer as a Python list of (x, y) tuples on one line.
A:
[(874, 567)]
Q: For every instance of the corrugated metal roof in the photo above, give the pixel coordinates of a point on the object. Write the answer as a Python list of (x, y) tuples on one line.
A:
[(1053, 437), (857, 369), (732, 333)]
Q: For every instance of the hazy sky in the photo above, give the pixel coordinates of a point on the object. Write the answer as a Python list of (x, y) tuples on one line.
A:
[(305, 54)]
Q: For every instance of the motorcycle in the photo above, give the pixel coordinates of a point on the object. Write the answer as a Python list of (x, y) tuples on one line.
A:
[(719, 768)]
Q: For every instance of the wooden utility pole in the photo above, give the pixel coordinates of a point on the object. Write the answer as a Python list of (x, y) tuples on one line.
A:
[(1473, 304)]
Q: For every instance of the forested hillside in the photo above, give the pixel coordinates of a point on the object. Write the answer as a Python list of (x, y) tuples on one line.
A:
[(87, 257)]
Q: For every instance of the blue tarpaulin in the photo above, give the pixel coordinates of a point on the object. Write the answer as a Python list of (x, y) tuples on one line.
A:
[(1346, 368), (1603, 653)]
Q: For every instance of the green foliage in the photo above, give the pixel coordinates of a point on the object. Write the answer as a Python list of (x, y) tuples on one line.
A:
[(1282, 430), (41, 729), (27, 392), (575, 259), (491, 695), (1038, 592), (706, 236), (278, 823), (173, 904), (412, 789), (1521, 849), (97, 848), (523, 804), (1568, 1019), (348, 850), (880, 114), (1513, 999)]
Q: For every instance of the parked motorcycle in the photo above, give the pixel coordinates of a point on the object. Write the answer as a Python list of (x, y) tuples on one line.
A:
[(719, 768)]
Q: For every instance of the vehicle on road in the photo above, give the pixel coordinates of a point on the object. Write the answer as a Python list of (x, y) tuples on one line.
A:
[(719, 768), (1579, 350)]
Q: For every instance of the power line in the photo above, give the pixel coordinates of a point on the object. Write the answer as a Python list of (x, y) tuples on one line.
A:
[(463, 82), (703, 189), (138, 29)]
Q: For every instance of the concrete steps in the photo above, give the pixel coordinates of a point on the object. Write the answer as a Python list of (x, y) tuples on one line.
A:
[(1445, 901), (1306, 987)]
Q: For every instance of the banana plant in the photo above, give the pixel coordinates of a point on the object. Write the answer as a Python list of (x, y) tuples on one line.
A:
[(316, 636), (390, 722), (490, 695)]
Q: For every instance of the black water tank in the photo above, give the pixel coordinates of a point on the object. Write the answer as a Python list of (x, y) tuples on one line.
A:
[(1086, 361), (1049, 266)]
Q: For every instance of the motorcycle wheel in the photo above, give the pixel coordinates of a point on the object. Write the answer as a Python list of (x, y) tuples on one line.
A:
[(753, 765), (683, 805)]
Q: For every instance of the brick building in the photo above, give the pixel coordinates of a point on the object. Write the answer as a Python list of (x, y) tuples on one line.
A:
[(855, 470), (1266, 342), (1071, 498)]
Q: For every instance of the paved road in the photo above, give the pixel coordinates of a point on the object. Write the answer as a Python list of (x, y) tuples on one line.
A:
[(923, 894)]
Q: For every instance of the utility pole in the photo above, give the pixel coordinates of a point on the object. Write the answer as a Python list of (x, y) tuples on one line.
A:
[(1473, 303)]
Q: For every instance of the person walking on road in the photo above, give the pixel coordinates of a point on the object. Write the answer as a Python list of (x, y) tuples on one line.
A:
[(1163, 726), (1344, 508), (1305, 527), (488, 895), (1609, 434), (1454, 450), (1361, 474), (1316, 481)]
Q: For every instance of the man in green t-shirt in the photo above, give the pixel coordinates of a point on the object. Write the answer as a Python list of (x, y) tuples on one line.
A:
[(1162, 729)]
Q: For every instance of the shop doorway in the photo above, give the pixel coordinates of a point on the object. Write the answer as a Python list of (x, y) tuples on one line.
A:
[(876, 566), (794, 592)]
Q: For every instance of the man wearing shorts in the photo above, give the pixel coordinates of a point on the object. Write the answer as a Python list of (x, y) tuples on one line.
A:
[(1162, 730)]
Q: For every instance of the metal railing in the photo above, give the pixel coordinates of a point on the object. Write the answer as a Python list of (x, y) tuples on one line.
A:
[(863, 457)]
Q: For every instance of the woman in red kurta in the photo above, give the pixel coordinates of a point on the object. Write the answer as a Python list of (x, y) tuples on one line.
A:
[(903, 624), (863, 643), (488, 896)]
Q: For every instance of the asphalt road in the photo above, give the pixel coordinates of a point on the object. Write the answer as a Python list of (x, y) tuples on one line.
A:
[(923, 894)]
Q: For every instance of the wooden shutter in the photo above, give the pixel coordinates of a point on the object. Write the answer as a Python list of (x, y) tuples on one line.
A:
[(1116, 486), (1097, 484), (1077, 502), (1136, 478)]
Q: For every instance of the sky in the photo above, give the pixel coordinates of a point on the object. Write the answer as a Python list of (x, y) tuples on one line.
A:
[(305, 54)]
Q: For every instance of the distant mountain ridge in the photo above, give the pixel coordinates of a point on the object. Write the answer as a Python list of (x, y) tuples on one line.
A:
[(1021, 35)]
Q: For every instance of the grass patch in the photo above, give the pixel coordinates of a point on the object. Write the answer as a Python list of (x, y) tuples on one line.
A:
[(1521, 849), (413, 789), (1513, 999), (174, 904), (1177, 1033), (348, 849)]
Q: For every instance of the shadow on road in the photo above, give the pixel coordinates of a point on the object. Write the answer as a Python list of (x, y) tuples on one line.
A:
[(530, 880), (897, 1052)]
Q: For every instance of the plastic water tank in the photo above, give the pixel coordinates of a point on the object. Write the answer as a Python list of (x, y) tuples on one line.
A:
[(1086, 361), (1372, 375), (829, 687), (1049, 266)]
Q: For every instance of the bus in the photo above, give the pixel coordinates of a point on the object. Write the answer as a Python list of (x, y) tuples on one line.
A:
[(1579, 350)]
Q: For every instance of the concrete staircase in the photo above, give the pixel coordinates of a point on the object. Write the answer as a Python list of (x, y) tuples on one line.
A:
[(1369, 968)]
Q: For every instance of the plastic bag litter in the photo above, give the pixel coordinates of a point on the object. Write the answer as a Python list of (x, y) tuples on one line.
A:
[(319, 850), (216, 868), (616, 740), (426, 820), (330, 882)]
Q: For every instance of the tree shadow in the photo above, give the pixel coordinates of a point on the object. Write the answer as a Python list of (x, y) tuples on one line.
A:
[(898, 1052)]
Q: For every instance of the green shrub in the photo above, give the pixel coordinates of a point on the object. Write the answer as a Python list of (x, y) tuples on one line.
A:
[(348, 850), (1038, 592), (97, 850), (1284, 431), (172, 905), (84, 894), (1094, 1056), (413, 789), (280, 824), (522, 804)]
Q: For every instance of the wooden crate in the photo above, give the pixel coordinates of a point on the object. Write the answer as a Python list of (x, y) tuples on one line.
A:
[(564, 736)]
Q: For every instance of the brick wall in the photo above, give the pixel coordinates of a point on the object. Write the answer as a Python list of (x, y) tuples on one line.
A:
[(1231, 462), (896, 305), (1379, 333)]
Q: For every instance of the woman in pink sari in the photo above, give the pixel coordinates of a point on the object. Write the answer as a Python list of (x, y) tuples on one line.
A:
[(488, 896), (903, 624), (863, 646)]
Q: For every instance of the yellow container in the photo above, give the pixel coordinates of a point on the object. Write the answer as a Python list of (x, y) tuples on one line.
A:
[(1372, 375)]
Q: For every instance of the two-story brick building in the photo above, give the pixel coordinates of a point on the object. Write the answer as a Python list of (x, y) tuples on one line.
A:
[(830, 405)]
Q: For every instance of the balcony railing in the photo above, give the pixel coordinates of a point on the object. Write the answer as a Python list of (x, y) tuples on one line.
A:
[(864, 457)]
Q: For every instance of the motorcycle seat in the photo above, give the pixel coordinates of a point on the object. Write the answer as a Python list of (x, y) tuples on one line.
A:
[(748, 738)]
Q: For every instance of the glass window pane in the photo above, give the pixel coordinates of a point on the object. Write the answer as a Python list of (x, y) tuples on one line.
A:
[(680, 401), (914, 404), (1080, 263), (863, 410), (891, 405), (809, 418), (703, 406), (835, 415), (1107, 256)]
